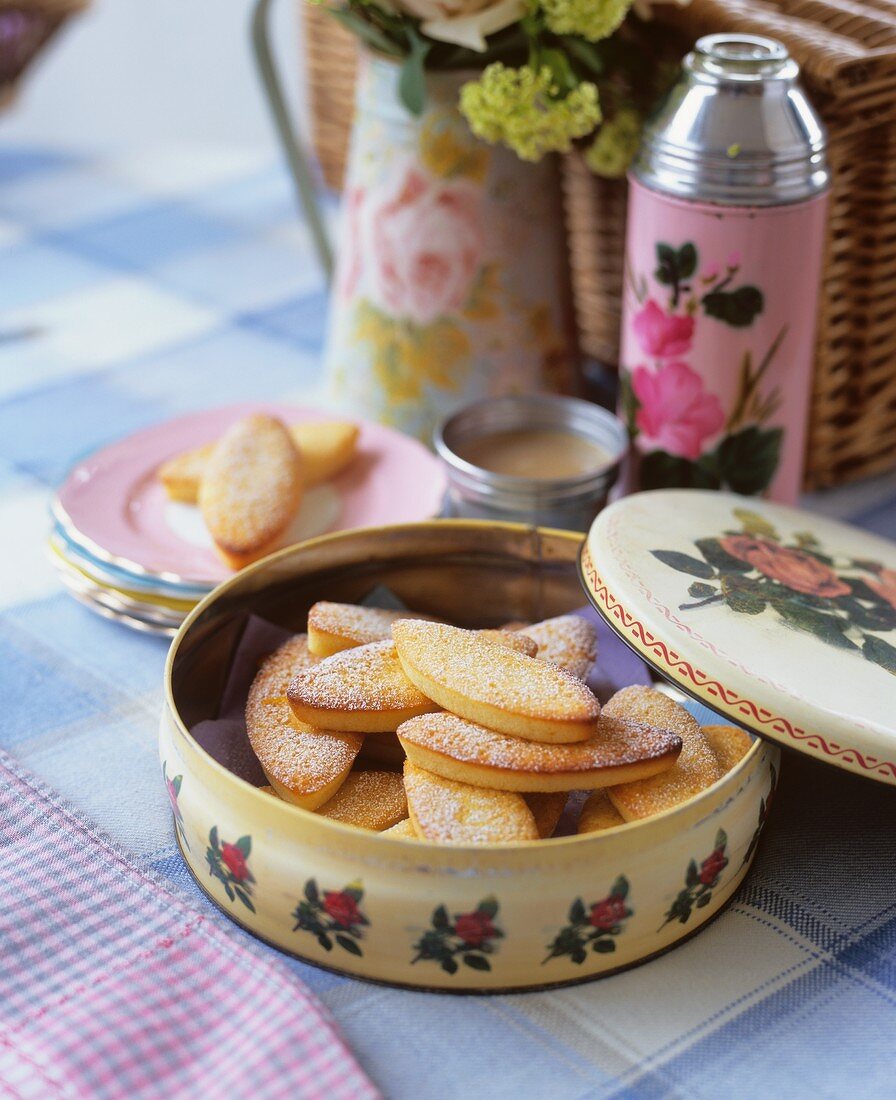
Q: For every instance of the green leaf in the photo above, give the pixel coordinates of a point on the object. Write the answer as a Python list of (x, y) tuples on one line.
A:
[(748, 459), (440, 918), (687, 260), (701, 591), (880, 617), (619, 888), (577, 912), (586, 53), (348, 944), (712, 550), (561, 70), (721, 839), (742, 594), (311, 892), (176, 783), (684, 563), (704, 899), (604, 947), (735, 307), (412, 78), (449, 966), (692, 875), (628, 402), (213, 838), (228, 889), (578, 956), (667, 265), (660, 470), (244, 898), (880, 652), (477, 962), (488, 906), (245, 845), (324, 940), (367, 32), (826, 627)]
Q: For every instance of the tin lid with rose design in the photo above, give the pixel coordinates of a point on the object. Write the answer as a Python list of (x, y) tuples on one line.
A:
[(782, 620)]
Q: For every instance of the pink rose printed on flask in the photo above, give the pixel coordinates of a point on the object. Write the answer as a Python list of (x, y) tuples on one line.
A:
[(683, 433)]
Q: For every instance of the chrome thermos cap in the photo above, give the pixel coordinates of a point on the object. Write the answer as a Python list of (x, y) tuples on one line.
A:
[(736, 129)]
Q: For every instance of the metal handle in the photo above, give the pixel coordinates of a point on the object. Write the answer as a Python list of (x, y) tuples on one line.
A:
[(296, 156)]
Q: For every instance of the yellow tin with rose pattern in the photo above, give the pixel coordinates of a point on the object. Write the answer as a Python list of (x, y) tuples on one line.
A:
[(461, 918)]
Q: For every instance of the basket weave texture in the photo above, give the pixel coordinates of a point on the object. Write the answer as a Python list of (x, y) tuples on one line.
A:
[(25, 28), (847, 52)]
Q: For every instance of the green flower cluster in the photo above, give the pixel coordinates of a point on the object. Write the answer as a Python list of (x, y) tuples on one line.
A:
[(614, 148), (592, 19), (524, 109)]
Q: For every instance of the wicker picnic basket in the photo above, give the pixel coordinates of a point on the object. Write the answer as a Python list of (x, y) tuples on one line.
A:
[(25, 28), (847, 51)]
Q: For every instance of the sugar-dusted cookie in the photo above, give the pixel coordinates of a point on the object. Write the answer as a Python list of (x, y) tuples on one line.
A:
[(547, 810), (696, 768), (251, 489), (448, 812), (598, 813), (326, 447), (568, 641), (491, 684), (729, 743), (470, 753), (512, 639), (368, 800), (404, 830), (362, 689), (304, 766), (182, 474), (333, 627)]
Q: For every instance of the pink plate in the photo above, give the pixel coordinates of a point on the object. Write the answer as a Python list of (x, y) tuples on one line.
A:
[(113, 505)]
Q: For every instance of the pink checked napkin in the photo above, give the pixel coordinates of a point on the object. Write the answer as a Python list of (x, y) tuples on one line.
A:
[(111, 985)]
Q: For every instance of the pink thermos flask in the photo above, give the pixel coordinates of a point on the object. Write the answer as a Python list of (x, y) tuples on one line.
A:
[(726, 225)]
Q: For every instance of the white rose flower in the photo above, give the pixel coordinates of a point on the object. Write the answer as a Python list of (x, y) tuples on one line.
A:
[(463, 22)]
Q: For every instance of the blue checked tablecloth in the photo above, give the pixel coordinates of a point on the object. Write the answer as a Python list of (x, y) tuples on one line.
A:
[(137, 288)]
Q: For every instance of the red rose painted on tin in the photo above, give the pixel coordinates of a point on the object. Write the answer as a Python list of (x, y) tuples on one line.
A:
[(235, 862), (663, 335), (468, 938), (675, 412), (699, 882), (712, 867), (474, 928), (332, 917), (342, 908), (794, 568), (846, 602), (229, 864), (593, 928)]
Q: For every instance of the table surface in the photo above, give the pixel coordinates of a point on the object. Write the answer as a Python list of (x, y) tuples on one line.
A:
[(140, 287)]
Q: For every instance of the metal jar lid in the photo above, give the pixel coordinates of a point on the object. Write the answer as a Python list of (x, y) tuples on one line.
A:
[(737, 128)]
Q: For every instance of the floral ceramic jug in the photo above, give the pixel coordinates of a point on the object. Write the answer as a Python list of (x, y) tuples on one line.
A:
[(450, 282)]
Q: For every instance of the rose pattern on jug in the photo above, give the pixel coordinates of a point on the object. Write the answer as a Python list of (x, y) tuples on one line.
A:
[(229, 864), (332, 916), (680, 428), (432, 303), (699, 882), (593, 926), (845, 602), (469, 937), (173, 786)]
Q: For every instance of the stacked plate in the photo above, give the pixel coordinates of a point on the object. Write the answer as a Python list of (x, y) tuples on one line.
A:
[(129, 553)]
